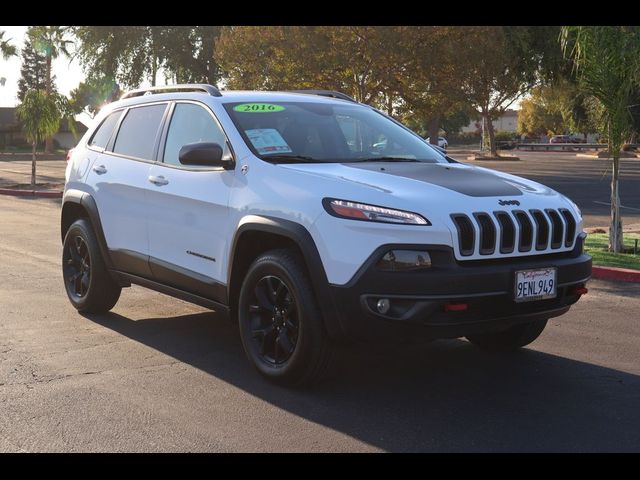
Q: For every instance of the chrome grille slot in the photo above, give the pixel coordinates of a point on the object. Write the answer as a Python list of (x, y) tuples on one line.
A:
[(557, 228), (571, 226), (542, 229), (526, 230), (466, 233), (507, 232), (487, 241)]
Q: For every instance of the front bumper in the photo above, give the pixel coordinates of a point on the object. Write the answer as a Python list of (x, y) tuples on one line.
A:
[(419, 298)]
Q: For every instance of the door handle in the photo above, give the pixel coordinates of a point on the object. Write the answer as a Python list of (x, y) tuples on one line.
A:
[(158, 181), (100, 169)]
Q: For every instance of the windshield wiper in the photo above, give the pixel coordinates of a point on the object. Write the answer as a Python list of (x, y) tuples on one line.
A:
[(386, 159), (289, 159)]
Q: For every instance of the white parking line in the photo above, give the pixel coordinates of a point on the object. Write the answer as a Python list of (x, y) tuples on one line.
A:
[(621, 206)]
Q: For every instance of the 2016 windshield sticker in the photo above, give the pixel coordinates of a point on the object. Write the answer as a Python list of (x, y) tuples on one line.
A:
[(268, 141), (258, 108)]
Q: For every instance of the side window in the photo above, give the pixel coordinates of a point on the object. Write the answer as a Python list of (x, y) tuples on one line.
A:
[(103, 133), (191, 123), (138, 131)]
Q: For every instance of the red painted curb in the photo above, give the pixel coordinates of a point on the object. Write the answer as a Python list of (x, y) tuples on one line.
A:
[(616, 274), (30, 193)]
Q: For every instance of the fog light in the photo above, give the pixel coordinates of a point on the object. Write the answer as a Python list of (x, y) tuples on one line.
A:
[(383, 305), (395, 260)]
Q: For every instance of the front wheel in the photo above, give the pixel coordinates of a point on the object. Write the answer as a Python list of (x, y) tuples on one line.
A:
[(280, 324), (511, 339)]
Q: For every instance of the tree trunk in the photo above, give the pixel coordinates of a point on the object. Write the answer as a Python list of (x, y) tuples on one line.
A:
[(48, 144), (33, 164), (434, 129), (154, 71), (615, 229), (493, 151)]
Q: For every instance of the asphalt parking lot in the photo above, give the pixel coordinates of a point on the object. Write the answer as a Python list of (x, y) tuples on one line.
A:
[(158, 374)]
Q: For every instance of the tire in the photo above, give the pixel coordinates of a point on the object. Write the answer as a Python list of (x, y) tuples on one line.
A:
[(281, 327), (87, 282), (511, 339)]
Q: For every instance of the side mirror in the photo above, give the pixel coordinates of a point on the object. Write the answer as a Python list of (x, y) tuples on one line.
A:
[(206, 154)]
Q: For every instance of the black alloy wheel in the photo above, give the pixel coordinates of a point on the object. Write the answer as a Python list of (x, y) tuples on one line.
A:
[(274, 320), (77, 266)]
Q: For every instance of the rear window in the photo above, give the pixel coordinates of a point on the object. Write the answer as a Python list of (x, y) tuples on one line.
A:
[(103, 132), (138, 131)]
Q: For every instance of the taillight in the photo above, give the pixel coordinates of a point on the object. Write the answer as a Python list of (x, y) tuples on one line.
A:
[(69, 153)]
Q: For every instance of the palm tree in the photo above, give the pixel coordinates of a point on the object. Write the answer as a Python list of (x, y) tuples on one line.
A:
[(51, 41), (40, 119), (607, 62), (6, 49)]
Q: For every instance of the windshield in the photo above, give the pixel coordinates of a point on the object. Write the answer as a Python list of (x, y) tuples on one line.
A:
[(319, 132)]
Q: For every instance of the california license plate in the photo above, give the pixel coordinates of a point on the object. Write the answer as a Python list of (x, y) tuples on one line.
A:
[(535, 284)]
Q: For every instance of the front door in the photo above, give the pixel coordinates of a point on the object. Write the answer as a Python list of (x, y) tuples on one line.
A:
[(188, 224)]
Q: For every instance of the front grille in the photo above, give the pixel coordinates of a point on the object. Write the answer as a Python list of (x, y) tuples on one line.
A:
[(571, 226), (532, 231), (466, 233), (542, 227), (526, 230)]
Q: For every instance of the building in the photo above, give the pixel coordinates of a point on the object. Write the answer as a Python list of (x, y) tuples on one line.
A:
[(11, 134), (508, 122)]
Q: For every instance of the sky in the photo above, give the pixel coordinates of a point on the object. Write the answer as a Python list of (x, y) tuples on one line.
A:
[(68, 72)]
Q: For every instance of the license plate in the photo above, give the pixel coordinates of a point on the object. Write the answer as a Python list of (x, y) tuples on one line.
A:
[(535, 284)]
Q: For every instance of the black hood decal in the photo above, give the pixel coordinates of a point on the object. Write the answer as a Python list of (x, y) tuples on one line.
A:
[(472, 182)]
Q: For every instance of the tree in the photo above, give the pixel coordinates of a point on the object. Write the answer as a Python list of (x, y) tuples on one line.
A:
[(353, 60), (33, 70), (7, 50), (40, 119), (412, 72), (540, 113), (91, 95), (607, 64), (50, 41), (506, 62), (132, 54)]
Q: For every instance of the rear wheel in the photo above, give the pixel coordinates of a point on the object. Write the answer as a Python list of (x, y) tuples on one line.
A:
[(511, 339), (89, 286), (280, 324)]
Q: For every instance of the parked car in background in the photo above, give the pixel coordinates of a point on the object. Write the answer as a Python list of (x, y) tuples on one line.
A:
[(567, 139), (442, 142)]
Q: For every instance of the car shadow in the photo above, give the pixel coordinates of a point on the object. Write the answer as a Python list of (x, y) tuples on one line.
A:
[(438, 396)]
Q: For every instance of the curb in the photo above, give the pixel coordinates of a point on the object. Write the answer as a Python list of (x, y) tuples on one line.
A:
[(615, 274), (31, 193)]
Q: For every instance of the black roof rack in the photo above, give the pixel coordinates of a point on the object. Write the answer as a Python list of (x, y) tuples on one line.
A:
[(327, 93), (193, 87)]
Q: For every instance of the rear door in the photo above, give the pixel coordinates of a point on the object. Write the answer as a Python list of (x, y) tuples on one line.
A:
[(188, 222), (120, 178)]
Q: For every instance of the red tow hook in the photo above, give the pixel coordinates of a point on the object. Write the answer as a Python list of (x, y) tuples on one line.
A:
[(581, 290), (455, 307)]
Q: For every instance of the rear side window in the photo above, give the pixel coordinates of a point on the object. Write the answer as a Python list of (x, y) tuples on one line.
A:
[(103, 132), (138, 131)]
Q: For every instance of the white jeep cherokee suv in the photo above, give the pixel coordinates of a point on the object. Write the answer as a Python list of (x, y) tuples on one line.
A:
[(311, 219)]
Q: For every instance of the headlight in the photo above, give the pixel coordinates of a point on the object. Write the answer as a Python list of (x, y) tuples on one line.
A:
[(371, 213)]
